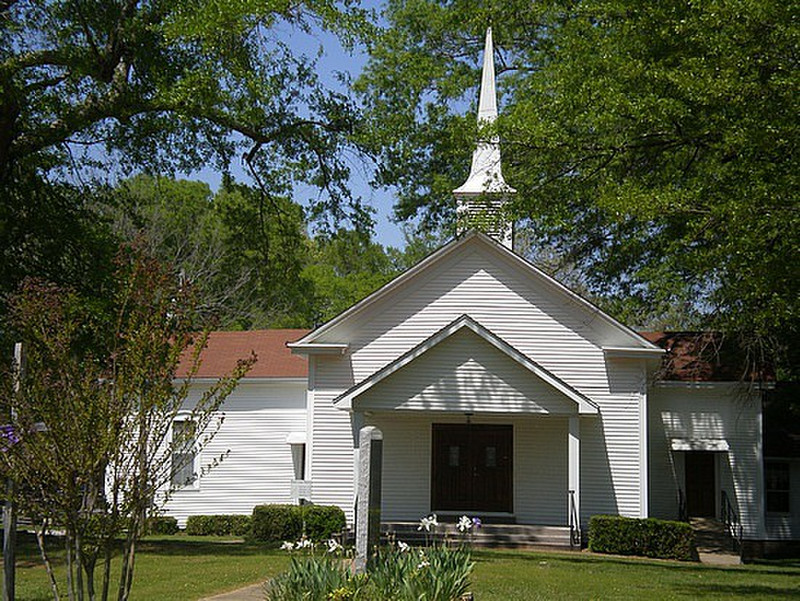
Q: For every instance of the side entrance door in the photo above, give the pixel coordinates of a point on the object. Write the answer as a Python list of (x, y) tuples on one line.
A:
[(472, 468), (701, 484)]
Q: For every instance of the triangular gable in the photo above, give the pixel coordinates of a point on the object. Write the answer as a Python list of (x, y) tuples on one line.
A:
[(584, 404), (312, 341)]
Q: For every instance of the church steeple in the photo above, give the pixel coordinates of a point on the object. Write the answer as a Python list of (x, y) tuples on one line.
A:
[(480, 199)]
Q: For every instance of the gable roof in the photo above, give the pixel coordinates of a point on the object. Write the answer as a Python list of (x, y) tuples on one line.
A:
[(224, 349), (585, 405), (309, 344)]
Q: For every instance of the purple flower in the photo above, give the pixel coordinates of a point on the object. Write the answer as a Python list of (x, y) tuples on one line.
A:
[(8, 437), (476, 522)]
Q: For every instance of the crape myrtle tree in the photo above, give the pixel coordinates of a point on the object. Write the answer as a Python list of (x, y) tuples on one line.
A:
[(89, 439), (91, 90), (653, 145)]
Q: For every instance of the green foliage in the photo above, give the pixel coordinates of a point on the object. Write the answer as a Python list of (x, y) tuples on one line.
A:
[(314, 578), (431, 574), (434, 574), (646, 537), (321, 522), (95, 407), (651, 144), (162, 524), (271, 523), (181, 85), (218, 525)]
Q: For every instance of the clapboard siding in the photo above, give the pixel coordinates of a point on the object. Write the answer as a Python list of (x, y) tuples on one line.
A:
[(531, 316), (257, 468), (711, 412), (465, 373), (540, 465)]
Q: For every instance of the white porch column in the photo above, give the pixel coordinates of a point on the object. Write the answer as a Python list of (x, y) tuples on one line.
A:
[(574, 462)]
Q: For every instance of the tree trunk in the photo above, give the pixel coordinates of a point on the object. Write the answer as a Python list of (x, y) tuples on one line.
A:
[(40, 540), (9, 544)]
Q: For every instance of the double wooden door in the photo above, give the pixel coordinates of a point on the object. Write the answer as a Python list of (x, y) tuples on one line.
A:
[(472, 468)]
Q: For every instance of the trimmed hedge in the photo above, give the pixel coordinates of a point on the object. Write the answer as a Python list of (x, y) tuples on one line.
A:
[(276, 523), (646, 537), (162, 524), (218, 525), (272, 523), (323, 521)]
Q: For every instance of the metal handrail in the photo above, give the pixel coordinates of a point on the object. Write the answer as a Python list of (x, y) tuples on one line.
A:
[(731, 520), (683, 514), (574, 522)]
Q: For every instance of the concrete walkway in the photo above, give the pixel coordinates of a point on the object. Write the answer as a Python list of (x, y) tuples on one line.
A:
[(248, 593)]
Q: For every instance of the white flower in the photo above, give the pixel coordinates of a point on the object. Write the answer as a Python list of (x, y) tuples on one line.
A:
[(464, 524), (428, 522), (423, 564), (333, 546), (287, 546), (304, 543), (402, 546)]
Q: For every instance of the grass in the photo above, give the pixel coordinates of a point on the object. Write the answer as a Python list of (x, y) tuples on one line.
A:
[(518, 575), (182, 568), (168, 568)]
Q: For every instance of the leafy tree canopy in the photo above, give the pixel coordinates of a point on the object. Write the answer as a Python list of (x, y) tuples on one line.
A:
[(653, 145), (247, 254)]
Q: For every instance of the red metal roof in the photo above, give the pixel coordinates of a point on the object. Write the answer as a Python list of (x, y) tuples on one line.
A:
[(224, 349)]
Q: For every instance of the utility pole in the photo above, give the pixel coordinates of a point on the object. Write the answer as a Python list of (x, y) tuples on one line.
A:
[(9, 511)]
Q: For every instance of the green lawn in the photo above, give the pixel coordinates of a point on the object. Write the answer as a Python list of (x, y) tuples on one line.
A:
[(187, 568)]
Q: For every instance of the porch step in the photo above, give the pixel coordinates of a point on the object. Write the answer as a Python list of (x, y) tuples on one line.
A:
[(488, 535), (714, 544)]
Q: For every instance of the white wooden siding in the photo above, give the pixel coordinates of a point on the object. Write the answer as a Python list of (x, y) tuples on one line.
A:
[(708, 412), (257, 468), (541, 323), (465, 373)]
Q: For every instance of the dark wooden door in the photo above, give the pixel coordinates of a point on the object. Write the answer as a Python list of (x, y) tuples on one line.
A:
[(472, 468), (700, 484)]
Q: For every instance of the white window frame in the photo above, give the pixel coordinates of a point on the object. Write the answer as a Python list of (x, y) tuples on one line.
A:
[(194, 484), (783, 491)]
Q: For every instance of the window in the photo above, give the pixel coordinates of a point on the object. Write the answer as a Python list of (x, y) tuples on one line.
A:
[(776, 476), (183, 452), (299, 460)]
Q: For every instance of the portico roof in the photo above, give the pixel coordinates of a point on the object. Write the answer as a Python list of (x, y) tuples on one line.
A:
[(584, 405)]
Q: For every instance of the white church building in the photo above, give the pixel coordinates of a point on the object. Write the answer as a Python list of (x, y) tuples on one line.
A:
[(500, 394)]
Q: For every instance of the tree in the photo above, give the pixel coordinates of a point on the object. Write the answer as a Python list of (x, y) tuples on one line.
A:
[(242, 250), (90, 440), (652, 145), (93, 90)]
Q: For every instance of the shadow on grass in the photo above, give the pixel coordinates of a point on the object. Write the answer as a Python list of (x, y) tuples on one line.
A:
[(645, 562), (28, 551), (738, 591)]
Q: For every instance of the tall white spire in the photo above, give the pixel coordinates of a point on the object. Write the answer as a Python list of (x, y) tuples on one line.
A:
[(481, 197)]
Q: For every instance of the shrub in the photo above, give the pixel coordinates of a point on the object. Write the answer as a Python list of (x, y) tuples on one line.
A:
[(218, 525), (646, 537), (322, 521), (431, 574), (162, 524), (315, 579), (272, 523)]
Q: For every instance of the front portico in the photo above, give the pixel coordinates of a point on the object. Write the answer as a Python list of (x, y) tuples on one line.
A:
[(471, 425)]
